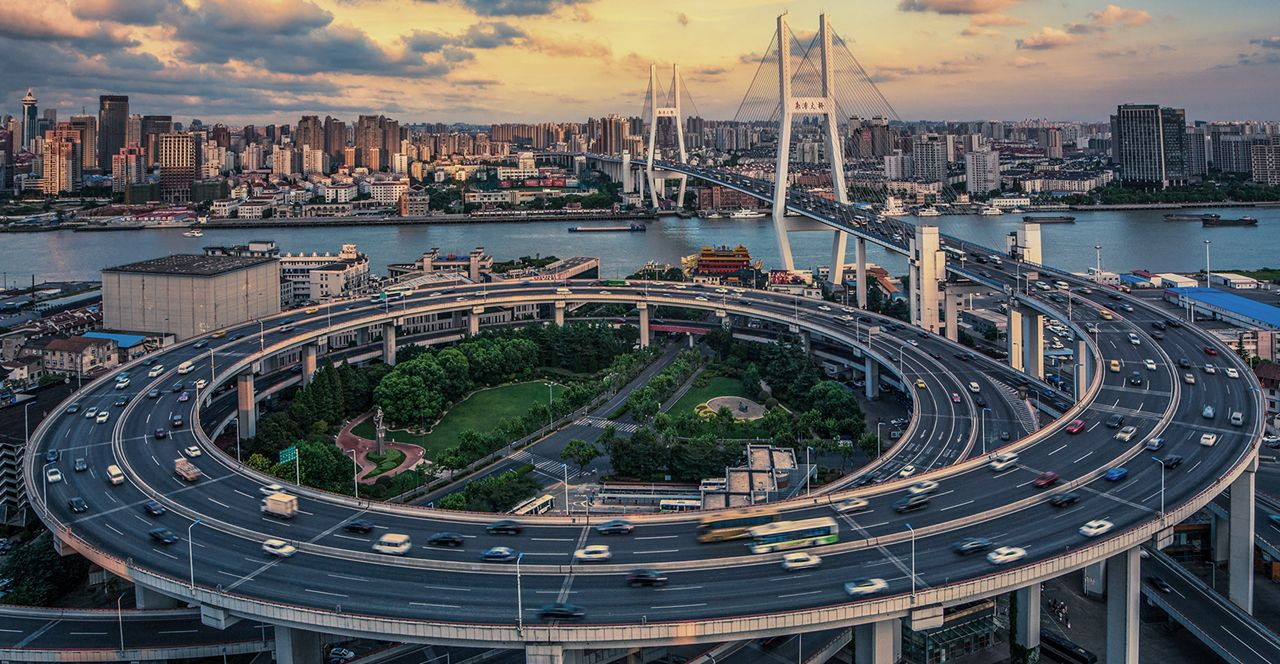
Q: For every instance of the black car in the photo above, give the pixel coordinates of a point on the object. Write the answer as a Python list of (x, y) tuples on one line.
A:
[(81, 465), (505, 527), (971, 545), (646, 577), (176, 422), (201, 344), (163, 535), (1135, 378), (1171, 461), (1004, 435), (1184, 363), (1157, 334), (979, 401), (911, 503), (78, 505), (153, 508), (177, 387), (237, 337), (161, 433), (1158, 325), (361, 526), (561, 611), (615, 527), (51, 456), (445, 539), (150, 361), (1173, 322), (1064, 499), (1115, 421), (73, 409), (1159, 584)]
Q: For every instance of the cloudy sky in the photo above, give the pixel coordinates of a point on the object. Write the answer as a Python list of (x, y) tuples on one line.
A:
[(534, 60)]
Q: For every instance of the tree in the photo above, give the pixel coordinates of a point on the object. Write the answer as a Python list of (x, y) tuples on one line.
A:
[(751, 380), (580, 452), (39, 574), (259, 462)]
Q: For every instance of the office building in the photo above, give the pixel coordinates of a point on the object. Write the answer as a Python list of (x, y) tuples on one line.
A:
[(310, 133), (60, 161), (1148, 143), (151, 127), (1198, 152), (30, 119), (898, 166), (177, 166), (929, 157), (113, 121), (87, 125), (335, 139), (133, 132), (1266, 162), (982, 171), (1050, 138), (127, 167), (187, 295)]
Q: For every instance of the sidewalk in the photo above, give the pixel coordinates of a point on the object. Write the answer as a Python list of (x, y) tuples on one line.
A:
[(362, 446)]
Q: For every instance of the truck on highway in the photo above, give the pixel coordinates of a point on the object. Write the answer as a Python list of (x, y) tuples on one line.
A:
[(186, 470), (280, 505)]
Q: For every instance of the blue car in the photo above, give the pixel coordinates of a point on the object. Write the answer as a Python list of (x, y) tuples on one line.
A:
[(1117, 474), (498, 554)]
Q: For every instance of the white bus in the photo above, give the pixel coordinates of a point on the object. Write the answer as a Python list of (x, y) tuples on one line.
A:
[(783, 535), (678, 505), (540, 505), (186, 367)]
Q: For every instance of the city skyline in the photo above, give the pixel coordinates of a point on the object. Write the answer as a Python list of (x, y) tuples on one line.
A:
[(481, 61)]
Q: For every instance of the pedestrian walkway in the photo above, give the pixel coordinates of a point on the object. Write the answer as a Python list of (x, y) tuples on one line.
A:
[(548, 467), (1021, 408), (602, 423), (348, 440)]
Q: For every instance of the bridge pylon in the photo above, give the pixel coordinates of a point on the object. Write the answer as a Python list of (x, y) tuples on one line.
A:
[(665, 108), (792, 106)]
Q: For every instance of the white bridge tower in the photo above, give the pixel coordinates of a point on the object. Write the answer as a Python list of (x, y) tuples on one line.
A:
[(670, 108)]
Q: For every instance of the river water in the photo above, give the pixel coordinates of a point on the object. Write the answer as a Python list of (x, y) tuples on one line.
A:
[(1130, 239)]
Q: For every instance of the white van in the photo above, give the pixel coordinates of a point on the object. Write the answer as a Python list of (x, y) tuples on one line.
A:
[(186, 367), (114, 474), (1237, 418), (395, 544)]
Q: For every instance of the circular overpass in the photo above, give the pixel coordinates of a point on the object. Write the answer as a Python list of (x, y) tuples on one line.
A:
[(337, 585)]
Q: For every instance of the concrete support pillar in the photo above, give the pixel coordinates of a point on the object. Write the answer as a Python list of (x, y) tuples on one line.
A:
[(860, 259), (362, 337), (473, 321), (389, 344), (646, 337), (550, 653), (873, 642), (871, 372), (247, 406), (1013, 332), (1031, 248), (1033, 343), (1026, 624), (928, 267), (296, 646), (1124, 576), (1082, 374), (807, 341), (951, 318), (309, 354), (1240, 562), (1221, 539), (559, 313), (146, 598)]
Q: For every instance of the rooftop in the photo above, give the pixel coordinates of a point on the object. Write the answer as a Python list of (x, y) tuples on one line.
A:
[(1243, 306), (192, 264)]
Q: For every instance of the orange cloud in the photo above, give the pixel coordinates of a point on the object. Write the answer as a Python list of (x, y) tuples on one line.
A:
[(1119, 15), (1048, 38)]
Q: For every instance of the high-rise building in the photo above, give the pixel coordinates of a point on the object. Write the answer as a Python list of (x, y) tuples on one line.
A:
[(1148, 143), (133, 131), (220, 135), (177, 166), (61, 161), (153, 126), (310, 133), (1266, 162), (898, 166), (368, 136), (282, 161), (1198, 152), (929, 157), (982, 171), (113, 127), (87, 125), (127, 167), (1050, 138), (335, 139), (30, 119)]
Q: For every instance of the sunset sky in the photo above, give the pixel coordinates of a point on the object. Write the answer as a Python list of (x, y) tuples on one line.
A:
[(484, 61)]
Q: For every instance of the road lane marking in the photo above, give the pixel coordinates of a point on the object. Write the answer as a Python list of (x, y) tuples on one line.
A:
[(675, 588), (678, 606), (322, 592), (654, 537), (449, 588), (347, 578), (811, 592), (436, 606)]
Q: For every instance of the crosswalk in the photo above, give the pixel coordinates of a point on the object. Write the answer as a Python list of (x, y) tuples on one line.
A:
[(545, 466), (601, 423)]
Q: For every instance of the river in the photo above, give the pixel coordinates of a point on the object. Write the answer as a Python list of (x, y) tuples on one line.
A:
[(1130, 239)]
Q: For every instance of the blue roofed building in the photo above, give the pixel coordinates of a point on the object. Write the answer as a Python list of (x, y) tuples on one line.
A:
[(131, 345), (1226, 307)]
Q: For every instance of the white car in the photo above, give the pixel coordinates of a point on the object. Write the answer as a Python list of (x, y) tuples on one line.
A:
[(593, 553), (1126, 433), (200, 384), (1003, 462), (1208, 439), (1006, 554), (88, 414), (1096, 527), (865, 586), (103, 416), (1232, 373), (155, 371), (192, 451), (271, 489), (922, 487), (1150, 364), (279, 548), (907, 471), (973, 387), (121, 384), (1210, 369), (823, 307), (852, 505), (53, 476), (800, 560)]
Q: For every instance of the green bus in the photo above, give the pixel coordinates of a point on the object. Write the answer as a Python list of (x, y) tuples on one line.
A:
[(783, 535)]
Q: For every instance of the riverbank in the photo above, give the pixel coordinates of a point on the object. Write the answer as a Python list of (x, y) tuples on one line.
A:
[(310, 222), (1177, 206)]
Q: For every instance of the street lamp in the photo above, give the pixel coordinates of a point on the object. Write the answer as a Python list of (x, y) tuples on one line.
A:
[(262, 334), (44, 488), (808, 469), (566, 487), (1162, 469), (878, 425), (1207, 274), (519, 596), (984, 429), (913, 562), (1097, 275), (355, 473), (26, 426), (120, 618), (191, 555)]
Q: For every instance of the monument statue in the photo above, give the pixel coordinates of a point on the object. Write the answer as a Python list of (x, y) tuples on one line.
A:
[(379, 428)]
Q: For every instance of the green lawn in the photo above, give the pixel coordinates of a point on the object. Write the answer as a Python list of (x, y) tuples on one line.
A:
[(387, 461), (479, 412), (719, 386)]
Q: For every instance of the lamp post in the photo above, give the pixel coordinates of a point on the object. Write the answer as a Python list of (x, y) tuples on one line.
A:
[(191, 555), (1207, 274), (808, 469), (26, 426), (262, 335), (566, 487), (1162, 469), (984, 429), (120, 618), (44, 487), (519, 596), (878, 425), (1097, 275), (913, 562), (355, 473)]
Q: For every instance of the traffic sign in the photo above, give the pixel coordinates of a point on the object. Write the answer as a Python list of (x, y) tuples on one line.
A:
[(289, 454)]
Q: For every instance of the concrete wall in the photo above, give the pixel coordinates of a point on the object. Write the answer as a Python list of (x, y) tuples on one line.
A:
[(186, 305)]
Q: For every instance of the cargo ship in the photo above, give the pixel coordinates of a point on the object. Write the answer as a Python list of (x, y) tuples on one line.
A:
[(629, 228), (1219, 221), (1050, 219), (1190, 217)]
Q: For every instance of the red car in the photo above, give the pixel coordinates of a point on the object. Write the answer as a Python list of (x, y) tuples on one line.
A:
[(955, 398), (1076, 426), (1046, 479), (1209, 350)]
